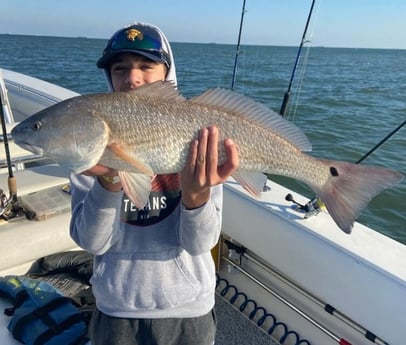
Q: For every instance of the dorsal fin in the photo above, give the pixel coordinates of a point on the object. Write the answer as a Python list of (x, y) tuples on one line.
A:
[(165, 90), (229, 101)]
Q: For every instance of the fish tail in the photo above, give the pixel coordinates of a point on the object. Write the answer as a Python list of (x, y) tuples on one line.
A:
[(350, 187)]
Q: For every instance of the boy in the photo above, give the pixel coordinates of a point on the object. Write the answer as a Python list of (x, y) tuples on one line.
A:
[(154, 277)]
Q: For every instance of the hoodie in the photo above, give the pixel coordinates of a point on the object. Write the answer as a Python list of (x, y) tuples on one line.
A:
[(153, 262)]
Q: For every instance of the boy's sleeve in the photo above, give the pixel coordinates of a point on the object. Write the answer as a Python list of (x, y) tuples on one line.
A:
[(200, 228), (95, 214)]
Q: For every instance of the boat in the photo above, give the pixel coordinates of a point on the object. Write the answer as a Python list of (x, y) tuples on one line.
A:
[(284, 276)]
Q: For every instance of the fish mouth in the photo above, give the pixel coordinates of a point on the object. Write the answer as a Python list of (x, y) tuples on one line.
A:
[(26, 146)]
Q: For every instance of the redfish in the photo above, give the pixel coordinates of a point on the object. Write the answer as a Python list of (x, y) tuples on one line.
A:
[(147, 131)]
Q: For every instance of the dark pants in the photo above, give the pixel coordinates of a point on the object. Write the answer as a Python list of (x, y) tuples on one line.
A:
[(108, 330)]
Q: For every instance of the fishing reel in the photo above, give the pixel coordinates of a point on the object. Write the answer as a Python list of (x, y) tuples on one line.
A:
[(311, 208), (11, 208), (7, 206), (4, 204)]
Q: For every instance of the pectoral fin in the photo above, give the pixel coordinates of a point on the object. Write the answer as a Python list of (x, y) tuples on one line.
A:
[(137, 187), (252, 182), (121, 152)]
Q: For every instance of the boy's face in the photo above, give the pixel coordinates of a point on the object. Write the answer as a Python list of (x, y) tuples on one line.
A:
[(129, 71)]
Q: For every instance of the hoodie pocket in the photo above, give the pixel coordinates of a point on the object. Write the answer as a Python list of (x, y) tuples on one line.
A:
[(148, 282)]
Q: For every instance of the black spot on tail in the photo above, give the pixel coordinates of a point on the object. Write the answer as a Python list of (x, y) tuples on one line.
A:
[(333, 171)]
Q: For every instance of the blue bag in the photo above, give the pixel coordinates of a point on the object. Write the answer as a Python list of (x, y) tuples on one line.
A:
[(41, 315)]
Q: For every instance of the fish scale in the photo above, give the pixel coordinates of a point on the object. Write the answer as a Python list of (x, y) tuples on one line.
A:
[(171, 131)]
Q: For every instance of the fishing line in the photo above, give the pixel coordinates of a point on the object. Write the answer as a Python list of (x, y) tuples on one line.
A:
[(292, 113), (298, 55), (292, 110), (255, 69), (241, 52)]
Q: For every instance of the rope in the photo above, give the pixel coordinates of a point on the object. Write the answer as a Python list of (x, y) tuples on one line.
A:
[(258, 310)]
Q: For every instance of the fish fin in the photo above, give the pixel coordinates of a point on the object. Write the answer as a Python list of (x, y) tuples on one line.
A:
[(253, 182), (164, 90), (240, 105), (136, 186), (119, 151), (350, 187), (111, 160)]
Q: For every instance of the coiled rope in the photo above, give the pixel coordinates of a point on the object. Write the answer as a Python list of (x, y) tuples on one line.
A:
[(225, 288)]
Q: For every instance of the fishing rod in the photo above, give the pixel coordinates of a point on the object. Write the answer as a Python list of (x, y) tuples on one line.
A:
[(9, 207), (380, 143), (237, 53), (11, 179), (299, 52)]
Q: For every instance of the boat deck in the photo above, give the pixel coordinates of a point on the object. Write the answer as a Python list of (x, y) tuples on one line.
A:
[(235, 328)]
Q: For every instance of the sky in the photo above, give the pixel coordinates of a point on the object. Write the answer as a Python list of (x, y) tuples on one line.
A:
[(334, 23)]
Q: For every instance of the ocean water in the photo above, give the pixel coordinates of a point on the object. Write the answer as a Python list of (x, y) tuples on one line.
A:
[(345, 100)]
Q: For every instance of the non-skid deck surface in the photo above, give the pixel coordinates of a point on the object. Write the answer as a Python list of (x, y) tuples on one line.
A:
[(234, 328)]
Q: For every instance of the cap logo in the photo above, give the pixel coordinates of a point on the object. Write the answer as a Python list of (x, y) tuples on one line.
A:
[(132, 34)]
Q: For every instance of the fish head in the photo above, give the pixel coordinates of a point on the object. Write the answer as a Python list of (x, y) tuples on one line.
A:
[(66, 133)]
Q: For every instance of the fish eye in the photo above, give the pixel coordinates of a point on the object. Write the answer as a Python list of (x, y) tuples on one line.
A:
[(37, 126)]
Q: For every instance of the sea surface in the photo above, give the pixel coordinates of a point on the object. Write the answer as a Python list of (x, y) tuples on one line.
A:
[(345, 100)]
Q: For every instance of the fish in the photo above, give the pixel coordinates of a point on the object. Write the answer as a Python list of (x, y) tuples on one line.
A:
[(148, 131)]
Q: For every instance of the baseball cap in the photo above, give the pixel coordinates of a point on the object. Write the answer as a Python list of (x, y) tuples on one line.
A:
[(138, 39)]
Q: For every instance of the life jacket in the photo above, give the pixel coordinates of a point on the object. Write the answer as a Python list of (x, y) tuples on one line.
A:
[(70, 273), (40, 314)]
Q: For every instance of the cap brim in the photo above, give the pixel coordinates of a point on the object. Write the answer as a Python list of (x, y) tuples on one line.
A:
[(106, 59)]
